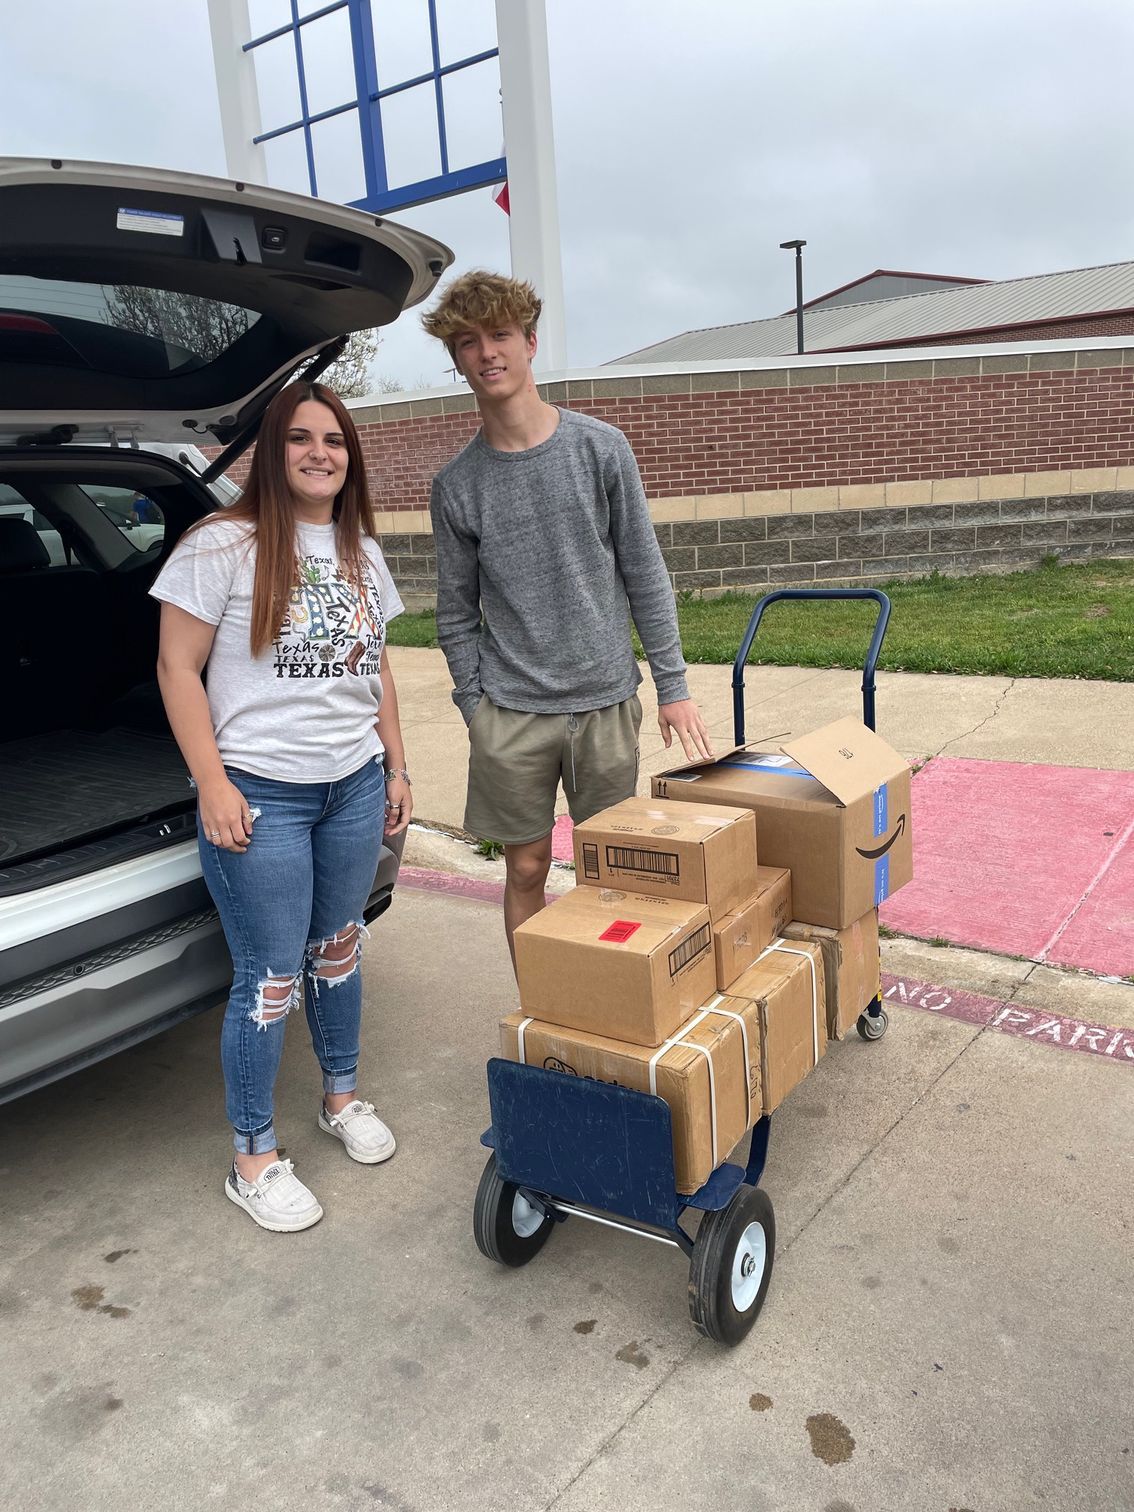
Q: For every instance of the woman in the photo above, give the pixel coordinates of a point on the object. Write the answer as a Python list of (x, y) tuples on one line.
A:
[(297, 757)]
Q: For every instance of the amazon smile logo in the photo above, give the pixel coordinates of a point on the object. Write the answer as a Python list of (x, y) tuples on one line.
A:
[(875, 855)]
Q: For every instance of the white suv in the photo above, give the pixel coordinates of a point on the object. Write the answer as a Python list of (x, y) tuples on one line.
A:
[(142, 313)]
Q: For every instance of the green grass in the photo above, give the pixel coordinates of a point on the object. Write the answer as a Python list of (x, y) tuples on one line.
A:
[(1053, 621)]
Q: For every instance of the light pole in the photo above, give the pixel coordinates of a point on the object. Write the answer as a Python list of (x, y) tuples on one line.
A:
[(798, 247)]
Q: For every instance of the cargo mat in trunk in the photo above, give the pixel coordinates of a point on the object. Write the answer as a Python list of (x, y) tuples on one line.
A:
[(63, 787)]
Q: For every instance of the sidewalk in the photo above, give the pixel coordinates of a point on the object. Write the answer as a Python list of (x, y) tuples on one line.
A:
[(1023, 807), (1047, 721)]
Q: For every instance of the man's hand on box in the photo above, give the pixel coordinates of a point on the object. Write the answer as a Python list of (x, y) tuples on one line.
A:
[(683, 718)]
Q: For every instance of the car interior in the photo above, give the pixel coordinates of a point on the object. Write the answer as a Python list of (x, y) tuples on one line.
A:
[(88, 768)]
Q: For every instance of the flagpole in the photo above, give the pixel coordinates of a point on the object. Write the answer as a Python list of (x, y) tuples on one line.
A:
[(529, 141)]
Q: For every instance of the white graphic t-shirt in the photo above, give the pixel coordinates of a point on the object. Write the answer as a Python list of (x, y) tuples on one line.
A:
[(305, 710)]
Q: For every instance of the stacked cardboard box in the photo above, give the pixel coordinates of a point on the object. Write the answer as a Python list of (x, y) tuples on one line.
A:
[(851, 967), (741, 935), (832, 807), (618, 964), (681, 967)]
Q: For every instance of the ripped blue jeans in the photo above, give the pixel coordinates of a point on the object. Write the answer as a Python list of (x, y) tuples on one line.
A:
[(291, 907)]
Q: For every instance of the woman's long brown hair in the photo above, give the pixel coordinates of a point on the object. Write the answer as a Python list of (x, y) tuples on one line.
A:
[(266, 505)]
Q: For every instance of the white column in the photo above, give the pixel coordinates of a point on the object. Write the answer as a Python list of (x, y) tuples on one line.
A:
[(529, 144), (236, 89)]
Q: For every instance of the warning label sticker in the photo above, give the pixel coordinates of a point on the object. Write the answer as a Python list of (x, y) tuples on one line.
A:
[(157, 222), (620, 931)]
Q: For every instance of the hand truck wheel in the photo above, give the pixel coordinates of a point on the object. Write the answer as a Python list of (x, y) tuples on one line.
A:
[(872, 1026), (732, 1266), (506, 1226)]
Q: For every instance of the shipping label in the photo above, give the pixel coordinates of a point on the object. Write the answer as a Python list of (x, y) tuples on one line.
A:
[(690, 949), (663, 865)]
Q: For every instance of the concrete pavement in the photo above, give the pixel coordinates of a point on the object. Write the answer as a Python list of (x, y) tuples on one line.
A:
[(945, 1326)]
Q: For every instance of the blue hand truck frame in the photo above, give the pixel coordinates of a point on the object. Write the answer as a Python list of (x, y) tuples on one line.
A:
[(566, 1146)]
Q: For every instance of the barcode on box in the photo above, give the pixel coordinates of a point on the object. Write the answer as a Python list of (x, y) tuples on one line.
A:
[(620, 931), (630, 858), (689, 949), (590, 862)]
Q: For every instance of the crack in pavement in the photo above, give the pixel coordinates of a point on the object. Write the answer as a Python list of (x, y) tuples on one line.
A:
[(988, 718), (981, 1030), (610, 1438)]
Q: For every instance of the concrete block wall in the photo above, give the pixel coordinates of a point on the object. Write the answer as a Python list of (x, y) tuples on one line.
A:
[(869, 546)]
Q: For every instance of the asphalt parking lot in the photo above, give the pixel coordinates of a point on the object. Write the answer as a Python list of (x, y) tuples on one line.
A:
[(947, 1325)]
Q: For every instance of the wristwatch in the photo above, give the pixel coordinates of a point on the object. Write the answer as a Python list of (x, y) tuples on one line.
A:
[(399, 772)]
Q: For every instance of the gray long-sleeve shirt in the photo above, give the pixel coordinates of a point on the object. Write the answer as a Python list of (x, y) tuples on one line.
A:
[(542, 556)]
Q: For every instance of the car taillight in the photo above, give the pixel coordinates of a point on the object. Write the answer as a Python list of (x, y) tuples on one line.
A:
[(28, 324)]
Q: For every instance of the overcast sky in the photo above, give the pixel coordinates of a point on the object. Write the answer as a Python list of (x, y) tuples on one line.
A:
[(989, 138)]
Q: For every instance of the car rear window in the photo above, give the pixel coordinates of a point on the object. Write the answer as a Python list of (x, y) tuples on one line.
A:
[(135, 514), (122, 329)]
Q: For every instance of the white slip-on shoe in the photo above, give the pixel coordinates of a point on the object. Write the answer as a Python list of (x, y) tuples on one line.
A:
[(276, 1200), (366, 1137)]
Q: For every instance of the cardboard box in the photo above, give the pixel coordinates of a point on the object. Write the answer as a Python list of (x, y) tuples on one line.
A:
[(615, 963), (851, 967), (786, 984), (741, 935), (710, 1114), (670, 850), (833, 807)]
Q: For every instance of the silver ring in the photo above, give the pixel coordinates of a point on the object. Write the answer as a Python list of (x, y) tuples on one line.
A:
[(214, 834)]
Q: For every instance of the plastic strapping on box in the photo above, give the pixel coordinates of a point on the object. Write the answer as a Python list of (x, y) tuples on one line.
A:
[(521, 1026), (679, 1039), (791, 950), (732, 1014)]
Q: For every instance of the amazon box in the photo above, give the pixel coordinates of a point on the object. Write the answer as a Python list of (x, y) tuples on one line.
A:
[(741, 935), (708, 1073), (851, 968), (702, 853), (618, 964), (786, 986), (833, 807)]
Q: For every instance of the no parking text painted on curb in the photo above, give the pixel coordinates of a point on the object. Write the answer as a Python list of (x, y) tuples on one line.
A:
[(1035, 1024)]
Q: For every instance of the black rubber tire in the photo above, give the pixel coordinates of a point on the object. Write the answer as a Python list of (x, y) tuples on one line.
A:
[(873, 1026), (711, 1303), (493, 1230)]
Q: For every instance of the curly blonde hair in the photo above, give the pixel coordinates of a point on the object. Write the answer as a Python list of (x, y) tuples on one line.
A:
[(481, 298)]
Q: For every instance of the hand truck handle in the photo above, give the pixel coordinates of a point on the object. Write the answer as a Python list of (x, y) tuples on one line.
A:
[(812, 593)]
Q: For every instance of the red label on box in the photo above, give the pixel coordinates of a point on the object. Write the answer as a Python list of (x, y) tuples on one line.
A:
[(620, 931)]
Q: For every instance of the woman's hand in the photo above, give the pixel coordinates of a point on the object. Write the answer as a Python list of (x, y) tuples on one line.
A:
[(399, 804), (225, 816)]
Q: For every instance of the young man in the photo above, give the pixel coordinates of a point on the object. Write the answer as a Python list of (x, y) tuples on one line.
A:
[(544, 550)]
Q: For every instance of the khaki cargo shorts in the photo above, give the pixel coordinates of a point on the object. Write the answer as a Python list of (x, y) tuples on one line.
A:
[(517, 761)]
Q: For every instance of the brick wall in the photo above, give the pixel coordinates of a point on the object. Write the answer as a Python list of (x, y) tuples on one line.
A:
[(854, 470), (810, 426)]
